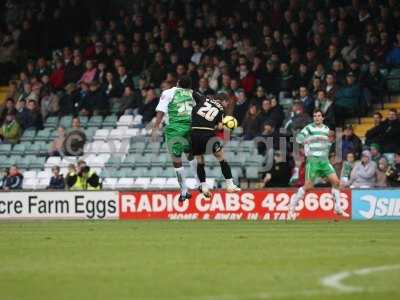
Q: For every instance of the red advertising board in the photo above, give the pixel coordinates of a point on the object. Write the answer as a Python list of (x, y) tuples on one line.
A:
[(268, 204)]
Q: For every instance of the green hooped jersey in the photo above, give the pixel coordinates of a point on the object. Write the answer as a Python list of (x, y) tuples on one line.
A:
[(316, 140), (176, 103)]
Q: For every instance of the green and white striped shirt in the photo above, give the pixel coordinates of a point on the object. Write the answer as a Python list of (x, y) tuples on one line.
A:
[(315, 140)]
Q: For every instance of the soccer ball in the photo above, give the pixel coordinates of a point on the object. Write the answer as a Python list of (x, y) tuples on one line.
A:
[(230, 122)]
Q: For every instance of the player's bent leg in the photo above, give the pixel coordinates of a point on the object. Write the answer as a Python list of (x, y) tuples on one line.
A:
[(201, 172), (301, 192), (226, 171), (335, 182)]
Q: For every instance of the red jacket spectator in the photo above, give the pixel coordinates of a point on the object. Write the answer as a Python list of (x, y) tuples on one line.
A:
[(247, 79), (57, 77)]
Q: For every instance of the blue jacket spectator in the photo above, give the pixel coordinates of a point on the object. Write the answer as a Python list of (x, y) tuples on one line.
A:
[(14, 180), (57, 180)]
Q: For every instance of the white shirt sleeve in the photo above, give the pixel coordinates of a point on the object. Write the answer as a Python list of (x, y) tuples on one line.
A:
[(165, 99)]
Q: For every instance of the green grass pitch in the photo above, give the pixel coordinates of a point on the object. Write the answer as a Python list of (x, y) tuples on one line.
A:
[(196, 260)]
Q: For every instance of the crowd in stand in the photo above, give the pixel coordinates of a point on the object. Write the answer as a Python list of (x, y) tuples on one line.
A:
[(318, 54)]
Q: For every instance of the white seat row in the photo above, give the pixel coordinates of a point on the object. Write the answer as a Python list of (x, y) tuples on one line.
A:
[(111, 146), (150, 183)]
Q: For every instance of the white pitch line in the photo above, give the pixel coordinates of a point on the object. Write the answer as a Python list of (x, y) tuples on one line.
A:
[(335, 280)]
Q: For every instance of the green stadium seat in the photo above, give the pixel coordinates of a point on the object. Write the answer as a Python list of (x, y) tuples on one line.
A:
[(247, 146), (95, 121), (143, 160), (129, 160), (237, 172), (125, 173), (252, 172), (152, 147), (161, 161), (34, 149), (114, 161), (169, 172), (84, 121), (115, 108), (5, 149), (43, 135), (66, 122), (231, 146), (28, 135), (51, 122), (156, 172), (140, 172), (255, 160), (136, 147), (110, 121), (38, 163), (24, 162), (3, 160)]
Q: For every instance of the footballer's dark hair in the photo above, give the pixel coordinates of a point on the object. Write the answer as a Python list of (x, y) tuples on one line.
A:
[(317, 110), (185, 82), (221, 97)]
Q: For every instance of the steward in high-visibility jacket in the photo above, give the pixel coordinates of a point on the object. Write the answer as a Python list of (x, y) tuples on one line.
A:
[(86, 180)]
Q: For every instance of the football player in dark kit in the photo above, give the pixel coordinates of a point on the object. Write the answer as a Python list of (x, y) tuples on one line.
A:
[(207, 116)]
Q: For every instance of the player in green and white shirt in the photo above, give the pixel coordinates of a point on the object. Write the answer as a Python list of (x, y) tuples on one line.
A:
[(176, 105), (315, 138)]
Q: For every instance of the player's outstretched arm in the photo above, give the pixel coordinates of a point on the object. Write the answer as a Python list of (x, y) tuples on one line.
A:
[(156, 126)]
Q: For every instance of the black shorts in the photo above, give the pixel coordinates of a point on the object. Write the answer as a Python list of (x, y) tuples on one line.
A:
[(205, 142)]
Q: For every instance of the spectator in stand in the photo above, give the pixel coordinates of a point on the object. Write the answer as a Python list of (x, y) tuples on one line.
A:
[(279, 174), (331, 87), (128, 103), (375, 134), (57, 146), (363, 174), (50, 105), (381, 177), (247, 79), (73, 72), (250, 122), (111, 86), (286, 81), (327, 106), (31, 117), (57, 76), (270, 138), (9, 107), (349, 99), (376, 154), (277, 114), (298, 118), (375, 83), (14, 180), (393, 172), (241, 106), (264, 114), (97, 100), (204, 87), (307, 100), (57, 180), (393, 57), (148, 108), (390, 141), (10, 131), (90, 73), (3, 176), (351, 142), (347, 167)]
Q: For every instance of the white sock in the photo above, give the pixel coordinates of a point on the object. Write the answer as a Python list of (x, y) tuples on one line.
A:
[(299, 195), (204, 186), (336, 196), (180, 174), (193, 166), (229, 182)]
